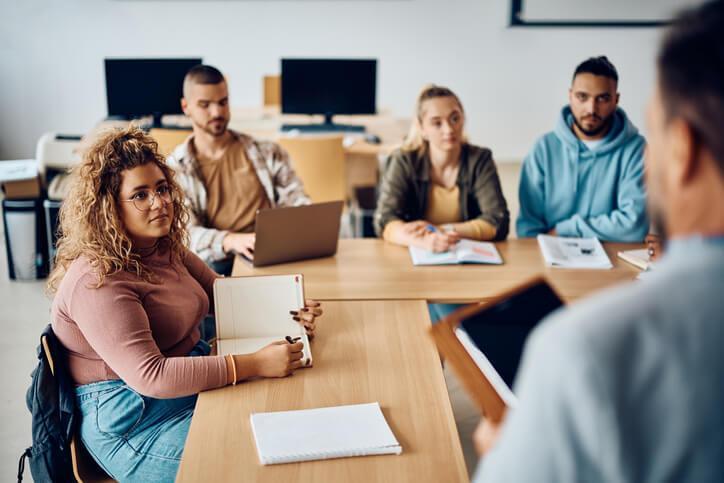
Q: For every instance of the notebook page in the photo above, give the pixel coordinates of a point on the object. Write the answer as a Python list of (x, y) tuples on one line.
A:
[(568, 252), (322, 433), (471, 251), (250, 307), (420, 256), (243, 346)]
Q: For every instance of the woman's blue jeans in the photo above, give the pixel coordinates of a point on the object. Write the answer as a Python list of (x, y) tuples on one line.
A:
[(440, 311), (134, 437)]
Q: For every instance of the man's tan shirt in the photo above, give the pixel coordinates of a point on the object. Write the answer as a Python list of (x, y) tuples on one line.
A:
[(234, 191)]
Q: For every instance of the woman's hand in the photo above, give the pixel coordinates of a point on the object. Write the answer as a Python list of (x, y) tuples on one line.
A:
[(432, 238), (438, 241), (307, 316), (414, 229), (278, 359)]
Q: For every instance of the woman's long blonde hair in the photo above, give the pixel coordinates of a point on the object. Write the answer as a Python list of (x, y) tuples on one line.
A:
[(414, 140), (90, 223)]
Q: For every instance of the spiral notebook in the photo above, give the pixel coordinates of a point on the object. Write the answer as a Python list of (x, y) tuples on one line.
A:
[(322, 433)]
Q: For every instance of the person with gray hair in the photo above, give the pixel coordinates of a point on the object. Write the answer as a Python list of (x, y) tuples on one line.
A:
[(629, 386)]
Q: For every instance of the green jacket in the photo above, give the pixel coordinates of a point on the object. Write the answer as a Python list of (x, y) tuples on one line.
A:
[(406, 185)]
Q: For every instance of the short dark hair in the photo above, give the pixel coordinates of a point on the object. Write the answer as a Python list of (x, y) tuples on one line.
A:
[(202, 74), (691, 80), (597, 66)]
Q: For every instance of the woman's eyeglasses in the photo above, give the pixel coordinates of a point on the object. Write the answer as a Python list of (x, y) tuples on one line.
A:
[(143, 200)]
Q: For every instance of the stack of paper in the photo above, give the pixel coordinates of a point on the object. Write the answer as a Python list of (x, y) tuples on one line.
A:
[(323, 433), (573, 252), (465, 251)]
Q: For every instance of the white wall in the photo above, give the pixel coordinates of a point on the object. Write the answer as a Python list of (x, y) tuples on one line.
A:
[(512, 81)]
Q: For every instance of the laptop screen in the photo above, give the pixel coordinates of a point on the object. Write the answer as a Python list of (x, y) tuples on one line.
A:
[(499, 332)]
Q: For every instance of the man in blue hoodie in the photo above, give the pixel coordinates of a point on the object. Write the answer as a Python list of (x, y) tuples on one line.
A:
[(585, 179)]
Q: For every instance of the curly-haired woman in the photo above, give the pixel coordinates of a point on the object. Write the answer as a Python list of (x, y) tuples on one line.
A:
[(129, 298)]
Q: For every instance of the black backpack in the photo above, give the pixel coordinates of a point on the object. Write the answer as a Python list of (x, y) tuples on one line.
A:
[(51, 401)]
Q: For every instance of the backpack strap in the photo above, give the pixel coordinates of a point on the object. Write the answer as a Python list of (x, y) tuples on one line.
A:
[(21, 464)]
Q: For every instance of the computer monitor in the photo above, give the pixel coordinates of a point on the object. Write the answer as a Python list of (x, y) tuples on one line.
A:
[(328, 87), (142, 87)]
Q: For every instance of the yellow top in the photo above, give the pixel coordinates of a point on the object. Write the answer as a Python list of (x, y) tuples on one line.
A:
[(443, 207)]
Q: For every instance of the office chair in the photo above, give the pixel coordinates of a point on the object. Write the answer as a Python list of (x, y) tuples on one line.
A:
[(320, 163), (168, 139)]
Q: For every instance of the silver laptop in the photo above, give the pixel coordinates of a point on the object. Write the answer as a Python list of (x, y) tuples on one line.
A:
[(295, 233)]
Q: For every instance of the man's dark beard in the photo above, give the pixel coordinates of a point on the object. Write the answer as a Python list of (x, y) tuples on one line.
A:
[(214, 133), (593, 132)]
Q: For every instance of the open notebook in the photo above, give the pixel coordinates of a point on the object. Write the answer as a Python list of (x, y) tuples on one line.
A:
[(564, 252), (322, 433), (465, 251), (252, 312)]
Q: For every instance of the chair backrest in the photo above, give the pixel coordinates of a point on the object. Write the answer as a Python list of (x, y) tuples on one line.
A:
[(85, 469), (168, 139), (272, 90), (319, 162)]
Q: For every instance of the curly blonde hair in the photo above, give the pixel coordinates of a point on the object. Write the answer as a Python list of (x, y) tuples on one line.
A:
[(90, 224)]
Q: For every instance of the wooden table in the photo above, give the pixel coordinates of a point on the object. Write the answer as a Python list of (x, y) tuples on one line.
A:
[(364, 352), (370, 269)]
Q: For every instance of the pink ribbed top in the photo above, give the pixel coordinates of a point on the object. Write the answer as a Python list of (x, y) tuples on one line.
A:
[(138, 331)]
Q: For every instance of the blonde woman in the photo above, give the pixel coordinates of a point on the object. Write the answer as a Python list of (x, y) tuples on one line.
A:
[(438, 188), (129, 298)]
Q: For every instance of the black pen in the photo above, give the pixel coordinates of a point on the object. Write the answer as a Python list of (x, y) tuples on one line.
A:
[(292, 341)]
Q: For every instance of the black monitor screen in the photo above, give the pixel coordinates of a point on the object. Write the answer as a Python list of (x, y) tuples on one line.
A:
[(500, 330), (329, 86), (139, 87)]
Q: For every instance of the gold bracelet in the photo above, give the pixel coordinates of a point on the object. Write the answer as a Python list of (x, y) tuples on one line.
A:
[(233, 369)]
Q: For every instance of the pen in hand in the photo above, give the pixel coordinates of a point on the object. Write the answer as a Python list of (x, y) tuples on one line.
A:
[(294, 340)]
